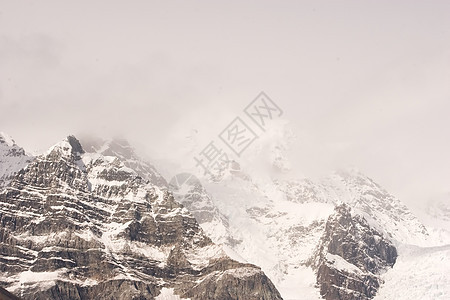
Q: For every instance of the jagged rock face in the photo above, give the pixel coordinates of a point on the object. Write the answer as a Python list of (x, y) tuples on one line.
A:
[(303, 191), (379, 206), (350, 257), (364, 195), (195, 198), (263, 230), (12, 159), (78, 225), (122, 150), (5, 295), (286, 220)]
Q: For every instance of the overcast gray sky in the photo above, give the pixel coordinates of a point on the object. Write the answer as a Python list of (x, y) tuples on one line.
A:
[(363, 83)]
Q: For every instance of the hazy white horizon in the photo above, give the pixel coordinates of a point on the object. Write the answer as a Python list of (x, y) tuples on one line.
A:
[(361, 83)]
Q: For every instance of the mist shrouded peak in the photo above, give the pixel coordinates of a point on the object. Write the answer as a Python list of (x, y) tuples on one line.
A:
[(9, 146), (67, 147), (108, 146), (12, 158), (122, 149), (6, 139)]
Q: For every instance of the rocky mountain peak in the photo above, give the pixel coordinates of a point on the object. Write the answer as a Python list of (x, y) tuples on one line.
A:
[(75, 144), (79, 225), (12, 159), (351, 256), (6, 139), (118, 147), (121, 149), (69, 147), (375, 204)]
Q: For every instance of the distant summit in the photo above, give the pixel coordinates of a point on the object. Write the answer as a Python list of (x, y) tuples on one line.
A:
[(12, 159)]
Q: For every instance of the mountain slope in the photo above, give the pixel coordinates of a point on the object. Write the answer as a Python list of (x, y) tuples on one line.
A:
[(78, 225), (420, 273), (380, 208), (350, 257), (109, 203), (12, 159), (121, 149), (281, 222)]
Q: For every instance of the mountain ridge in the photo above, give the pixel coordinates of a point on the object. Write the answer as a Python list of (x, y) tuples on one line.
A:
[(277, 223), (80, 225)]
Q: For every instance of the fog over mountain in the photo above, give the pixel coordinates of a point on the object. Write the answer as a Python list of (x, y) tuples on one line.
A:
[(361, 84)]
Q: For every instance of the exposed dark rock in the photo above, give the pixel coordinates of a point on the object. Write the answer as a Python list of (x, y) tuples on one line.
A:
[(350, 257), (121, 149), (76, 225), (5, 295), (75, 144)]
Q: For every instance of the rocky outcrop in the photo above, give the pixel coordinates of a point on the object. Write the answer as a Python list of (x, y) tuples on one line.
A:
[(189, 191), (5, 295), (121, 149), (350, 257), (12, 159), (83, 225)]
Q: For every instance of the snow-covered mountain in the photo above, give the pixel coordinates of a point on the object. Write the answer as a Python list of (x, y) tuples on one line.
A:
[(419, 273), (350, 256), (12, 158), (279, 226), (280, 222), (80, 225), (435, 214), (121, 149), (367, 198), (339, 237), (190, 191)]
